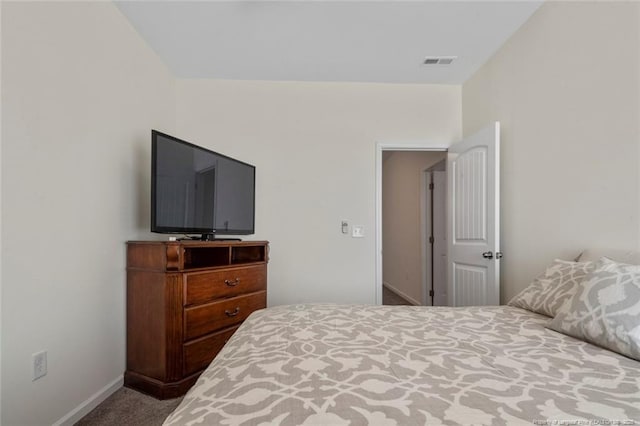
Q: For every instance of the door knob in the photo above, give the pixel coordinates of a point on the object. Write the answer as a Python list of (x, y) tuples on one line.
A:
[(487, 255)]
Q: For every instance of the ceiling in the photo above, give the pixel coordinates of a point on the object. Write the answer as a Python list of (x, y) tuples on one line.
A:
[(352, 41)]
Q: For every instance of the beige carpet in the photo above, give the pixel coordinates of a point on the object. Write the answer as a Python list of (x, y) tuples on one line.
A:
[(127, 407), (390, 298)]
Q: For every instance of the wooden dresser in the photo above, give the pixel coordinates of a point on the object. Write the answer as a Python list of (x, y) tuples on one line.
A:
[(184, 300)]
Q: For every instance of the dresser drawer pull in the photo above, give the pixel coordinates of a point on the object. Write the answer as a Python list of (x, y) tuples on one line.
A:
[(232, 283), (235, 312)]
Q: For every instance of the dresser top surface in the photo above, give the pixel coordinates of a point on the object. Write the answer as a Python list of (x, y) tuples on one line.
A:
[(193, 243)]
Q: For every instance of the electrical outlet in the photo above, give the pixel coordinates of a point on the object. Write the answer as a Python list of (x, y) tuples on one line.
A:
[(357, 231), (39, 365)]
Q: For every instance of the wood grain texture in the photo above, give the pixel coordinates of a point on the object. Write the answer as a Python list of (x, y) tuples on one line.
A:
[(210, 317), (157, 388), (180, 310), (173, 327), (147, 256), (146, 323), (174, 257), (202, 287), (199, 353)]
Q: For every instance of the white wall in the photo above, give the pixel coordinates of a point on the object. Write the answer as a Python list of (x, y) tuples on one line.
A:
[(314, 148), (566, 88), (81, 91), (402, 218)]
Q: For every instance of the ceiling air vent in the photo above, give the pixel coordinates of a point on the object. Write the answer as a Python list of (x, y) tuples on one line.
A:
[(439, 60)]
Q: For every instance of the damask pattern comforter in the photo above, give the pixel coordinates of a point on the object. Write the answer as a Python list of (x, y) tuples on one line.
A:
[(405, 365)]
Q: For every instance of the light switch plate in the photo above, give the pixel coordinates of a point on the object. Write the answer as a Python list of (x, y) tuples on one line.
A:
[(357, 231), (344, 227), (39, 361)]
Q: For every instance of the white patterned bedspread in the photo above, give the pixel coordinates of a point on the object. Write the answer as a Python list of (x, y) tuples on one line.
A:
[(409, 365)]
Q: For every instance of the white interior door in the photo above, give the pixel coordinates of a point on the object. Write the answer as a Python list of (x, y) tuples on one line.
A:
[(473, 199)]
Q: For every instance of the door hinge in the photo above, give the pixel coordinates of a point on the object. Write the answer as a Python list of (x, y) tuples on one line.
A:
[(431, 186), (431, 240), (431, 293)]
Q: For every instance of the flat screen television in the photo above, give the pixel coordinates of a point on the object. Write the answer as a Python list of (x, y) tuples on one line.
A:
[(198, 191)]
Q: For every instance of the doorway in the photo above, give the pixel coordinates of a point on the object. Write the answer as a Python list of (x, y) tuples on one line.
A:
[(472, 216), (403, 270)]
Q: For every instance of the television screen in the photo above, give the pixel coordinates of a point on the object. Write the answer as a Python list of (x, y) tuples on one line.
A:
[(195, 190)]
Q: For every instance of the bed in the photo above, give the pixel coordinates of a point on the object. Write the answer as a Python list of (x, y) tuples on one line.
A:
[(321, 364)]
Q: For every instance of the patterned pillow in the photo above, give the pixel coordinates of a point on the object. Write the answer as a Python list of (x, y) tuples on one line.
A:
[(606, 309), (546, 294)]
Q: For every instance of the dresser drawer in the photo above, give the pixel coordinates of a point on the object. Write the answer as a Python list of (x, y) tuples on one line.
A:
[(202, 287), (199, 353), (203, 319)]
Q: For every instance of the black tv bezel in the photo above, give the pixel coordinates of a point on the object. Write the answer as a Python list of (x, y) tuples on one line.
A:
[(178, 230)]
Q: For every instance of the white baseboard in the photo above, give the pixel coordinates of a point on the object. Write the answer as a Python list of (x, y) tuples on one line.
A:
[(401, 294), (90, 403)]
